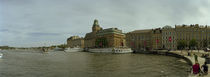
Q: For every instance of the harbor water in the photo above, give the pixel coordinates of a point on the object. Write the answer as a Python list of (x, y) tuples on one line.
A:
[(28, 63)]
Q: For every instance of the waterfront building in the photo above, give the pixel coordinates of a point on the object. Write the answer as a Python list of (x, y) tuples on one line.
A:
[(169, 40), (104, 38), (148, 39), (197, 32), (168, 37), (156, 38), (91, 37), (139, 39), (75, 41)]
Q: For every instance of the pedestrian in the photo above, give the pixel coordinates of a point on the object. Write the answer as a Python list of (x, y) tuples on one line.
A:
[(188, 53), (196, 68), (205, 68), (196, 57)]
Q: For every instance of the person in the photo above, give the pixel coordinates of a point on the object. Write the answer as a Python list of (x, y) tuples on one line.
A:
[(196, 57), (205, 68), (188, 53), (196, 68)]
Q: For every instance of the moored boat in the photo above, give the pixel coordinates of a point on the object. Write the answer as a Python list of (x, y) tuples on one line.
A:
[(75, 49)]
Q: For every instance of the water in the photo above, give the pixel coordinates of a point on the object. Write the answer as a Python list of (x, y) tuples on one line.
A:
[(84, 64)]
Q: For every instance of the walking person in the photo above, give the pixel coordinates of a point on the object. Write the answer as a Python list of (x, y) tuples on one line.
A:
[(196, 57), (205, 68)]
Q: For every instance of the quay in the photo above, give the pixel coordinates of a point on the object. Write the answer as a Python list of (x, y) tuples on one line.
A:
[(184, 55)]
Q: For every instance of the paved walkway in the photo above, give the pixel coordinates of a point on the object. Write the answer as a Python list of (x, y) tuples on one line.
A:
[(200, 59)]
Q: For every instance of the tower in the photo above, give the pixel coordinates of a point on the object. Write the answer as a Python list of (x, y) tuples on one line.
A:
[(96, 26)]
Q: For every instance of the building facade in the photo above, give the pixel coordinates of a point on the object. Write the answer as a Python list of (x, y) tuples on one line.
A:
[(144, 39), (75, 41), (168, 37), (189, 32), (102, 38), (111, 37), (169, 40), (139, 39)]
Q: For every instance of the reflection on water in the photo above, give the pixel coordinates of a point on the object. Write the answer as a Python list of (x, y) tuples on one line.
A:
[(84, 64)]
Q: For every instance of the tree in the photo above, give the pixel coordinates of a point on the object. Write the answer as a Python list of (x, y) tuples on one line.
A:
[(63, 46), (193, 44), (205, 43), (181, 44), (101, 42)]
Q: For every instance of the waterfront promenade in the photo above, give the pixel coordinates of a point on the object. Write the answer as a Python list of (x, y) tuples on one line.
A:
[(192, 59)]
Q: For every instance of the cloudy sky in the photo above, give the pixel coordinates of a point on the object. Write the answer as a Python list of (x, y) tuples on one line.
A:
[(26, 23)]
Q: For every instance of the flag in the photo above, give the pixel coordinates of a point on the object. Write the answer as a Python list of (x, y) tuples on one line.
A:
[(100, 44), (145, 43), (169, 39), (157, 41)]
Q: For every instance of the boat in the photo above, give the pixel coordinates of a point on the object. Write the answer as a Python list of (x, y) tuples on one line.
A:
[(122, 50), (1, 55), (74, 49), (208, 49), (111, 50)]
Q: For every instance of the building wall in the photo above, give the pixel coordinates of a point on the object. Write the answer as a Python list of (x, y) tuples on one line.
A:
[(114, 36), (189, 32), (169, 38), (114, 40), (75, 41), (156, 39), (139, 40)]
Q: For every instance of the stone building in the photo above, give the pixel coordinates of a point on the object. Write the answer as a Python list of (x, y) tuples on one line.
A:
[(188, 32), (91, 37), (144, 39), (168, 37), (139, 39), (156, 39), (111, 37), (169, 40), (75, 41), (98, 38)]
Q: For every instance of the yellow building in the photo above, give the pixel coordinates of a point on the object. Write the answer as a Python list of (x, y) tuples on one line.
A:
[(144, 39), (139, 39), (188, 32), (75, 41), (156, 38), (111, 37), (168, 37), (91, 37), (98, 38)]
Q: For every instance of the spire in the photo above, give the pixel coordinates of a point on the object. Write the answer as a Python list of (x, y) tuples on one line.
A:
[(95, 23), (96, 26)]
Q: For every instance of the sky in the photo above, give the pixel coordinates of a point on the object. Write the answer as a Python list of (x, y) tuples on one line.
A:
[(32, 23)]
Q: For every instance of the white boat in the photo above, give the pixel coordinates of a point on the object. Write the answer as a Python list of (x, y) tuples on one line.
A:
[(1, 55), (208, 49), (75, 49), (111, 50)]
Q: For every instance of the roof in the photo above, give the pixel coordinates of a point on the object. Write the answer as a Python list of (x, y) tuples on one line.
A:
[(110, 31), (141, 31)]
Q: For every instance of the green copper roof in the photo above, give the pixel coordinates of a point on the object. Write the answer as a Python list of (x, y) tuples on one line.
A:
[(110, 31)]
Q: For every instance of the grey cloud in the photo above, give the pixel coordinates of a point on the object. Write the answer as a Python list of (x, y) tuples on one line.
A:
[(43, 34), (4, 30), (55, 20)]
